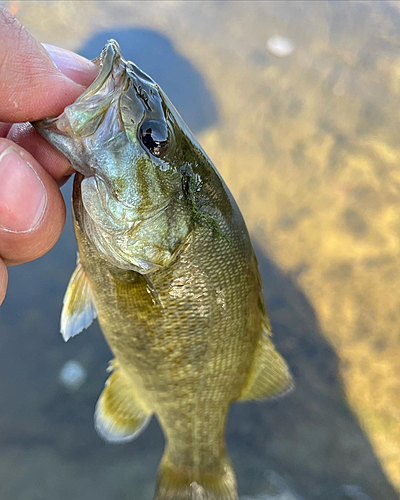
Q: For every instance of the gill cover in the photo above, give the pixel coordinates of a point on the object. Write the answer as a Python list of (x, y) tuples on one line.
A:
[(121, 134)]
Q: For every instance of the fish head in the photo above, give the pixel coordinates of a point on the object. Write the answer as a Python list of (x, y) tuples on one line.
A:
[(122, 134)]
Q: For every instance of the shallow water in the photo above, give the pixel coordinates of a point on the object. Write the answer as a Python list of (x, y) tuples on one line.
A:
[(297, 105)]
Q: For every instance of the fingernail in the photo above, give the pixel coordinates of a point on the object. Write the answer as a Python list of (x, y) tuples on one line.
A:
[(75, 67), (23, 197)]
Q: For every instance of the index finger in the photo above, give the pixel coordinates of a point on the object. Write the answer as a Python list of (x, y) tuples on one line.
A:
[(31, 85)]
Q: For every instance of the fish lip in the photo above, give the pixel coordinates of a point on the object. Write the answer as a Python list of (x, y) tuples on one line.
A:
[(113, 67), (107, 60)]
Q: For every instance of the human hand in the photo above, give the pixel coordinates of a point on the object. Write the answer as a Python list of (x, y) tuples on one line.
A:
[(32, 209)]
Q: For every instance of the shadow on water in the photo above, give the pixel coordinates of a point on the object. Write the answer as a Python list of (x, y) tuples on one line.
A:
[(311, 437), (155, 54)]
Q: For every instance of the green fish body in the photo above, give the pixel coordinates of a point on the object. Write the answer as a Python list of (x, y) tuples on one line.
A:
[(167, 265)]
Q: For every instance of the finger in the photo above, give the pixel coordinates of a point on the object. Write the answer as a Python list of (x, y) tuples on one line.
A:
[(32, 209), (32, 87), (4, 129), (75, 67), (48, 156), (3, 281)]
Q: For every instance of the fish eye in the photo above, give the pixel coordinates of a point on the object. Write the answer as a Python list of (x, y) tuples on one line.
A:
[(154, 136)]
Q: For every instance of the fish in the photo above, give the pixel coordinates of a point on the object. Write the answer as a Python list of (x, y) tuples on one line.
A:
[(166, 264)]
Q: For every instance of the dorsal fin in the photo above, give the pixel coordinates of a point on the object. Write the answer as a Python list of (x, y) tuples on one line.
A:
[(269, 376), (120, 415), (78, 309)]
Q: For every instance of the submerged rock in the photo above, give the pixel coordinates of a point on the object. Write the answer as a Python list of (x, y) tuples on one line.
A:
[(72, 375), (350, 492), (280, 46), (276, 489)]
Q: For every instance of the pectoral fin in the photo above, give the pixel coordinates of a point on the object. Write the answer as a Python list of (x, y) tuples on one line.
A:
[(119, 415), (78, 308), (270, 376)]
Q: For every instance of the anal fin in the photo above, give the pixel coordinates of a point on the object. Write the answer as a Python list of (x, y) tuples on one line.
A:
[(270, 375), (78, 308), (119, 414)]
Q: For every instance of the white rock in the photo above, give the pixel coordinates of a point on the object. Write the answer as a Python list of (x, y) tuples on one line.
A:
[(72, 375), (278, 489), (280, 46)]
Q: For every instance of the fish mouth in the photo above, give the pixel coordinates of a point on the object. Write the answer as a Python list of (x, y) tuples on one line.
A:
[(116, 74), (97, 118), (109, 60)]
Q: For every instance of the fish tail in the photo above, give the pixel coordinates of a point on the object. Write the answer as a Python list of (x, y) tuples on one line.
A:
[(188, 483)]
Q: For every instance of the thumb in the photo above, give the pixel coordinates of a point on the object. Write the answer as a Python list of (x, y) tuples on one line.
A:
[(32, 86), (74, 66)]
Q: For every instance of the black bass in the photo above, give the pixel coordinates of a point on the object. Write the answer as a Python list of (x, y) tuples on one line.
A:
[(166, 263)]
